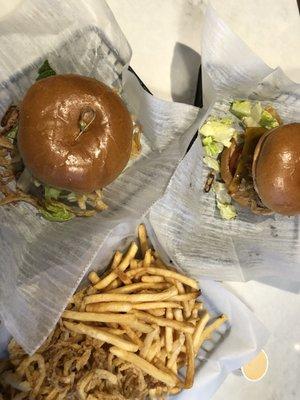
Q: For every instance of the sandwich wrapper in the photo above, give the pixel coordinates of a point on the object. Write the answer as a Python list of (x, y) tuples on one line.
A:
[(186, 220), (42, 263)]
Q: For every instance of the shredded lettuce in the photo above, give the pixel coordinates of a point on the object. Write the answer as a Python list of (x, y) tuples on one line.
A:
[(249, 112), (267, 120), (211, 163), (219, 129), (45, 70), (221, 192), (241, 108), (56, 212), (256, 111), (211, 147), (51, 193), (250, 122), (252, 114), (227, 211)]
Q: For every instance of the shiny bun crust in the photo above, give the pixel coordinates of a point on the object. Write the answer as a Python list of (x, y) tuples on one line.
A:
[(276, 169), (75, 133)]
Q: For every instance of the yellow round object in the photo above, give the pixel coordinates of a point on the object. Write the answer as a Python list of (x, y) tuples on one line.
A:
[(256, 368)]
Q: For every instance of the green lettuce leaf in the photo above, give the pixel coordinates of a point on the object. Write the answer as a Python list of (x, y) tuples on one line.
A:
[(56, 212), (219, 129), (221, 192), (211, 147), (227, 211), (241, 108), (211, 163), (45, 70), (51, 193), (267, 120)]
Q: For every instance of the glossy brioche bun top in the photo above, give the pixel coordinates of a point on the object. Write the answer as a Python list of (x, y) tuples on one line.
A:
[(276, 169), (49, 138)]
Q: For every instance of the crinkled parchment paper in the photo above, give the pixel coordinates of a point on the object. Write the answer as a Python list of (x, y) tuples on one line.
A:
[(186, 221)]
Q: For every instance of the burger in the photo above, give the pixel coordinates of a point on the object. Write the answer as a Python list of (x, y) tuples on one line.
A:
[(74, 136), (263, 173), (258, 167)]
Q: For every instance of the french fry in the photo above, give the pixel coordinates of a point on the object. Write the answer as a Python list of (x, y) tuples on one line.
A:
[(98, 317), (132, 298), (178, 314), (145, 366), (151, 319), (154, 349), (148, 341), (174, 390), (186, 308), (174, 367), (184, 297), (153, 278), (162, 356), (143, 239), (196, 308), (169, 332), (141, 327), (115, 331), (176, 349), (103, 283), (190, 307), (122, 276), (159, 364), (116, 260), (190, 358), (180, 287), (210, 329), (113, 285), (199, 329), (147, 259), (132, 335), (115, 307), (155, 304), (166, 273), (93, 277), (159, 312), (90, 290), (98, 333), (133, 264), (133, 287)]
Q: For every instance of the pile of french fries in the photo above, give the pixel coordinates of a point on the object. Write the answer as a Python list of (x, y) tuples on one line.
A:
[(144, 314), (150, 315)]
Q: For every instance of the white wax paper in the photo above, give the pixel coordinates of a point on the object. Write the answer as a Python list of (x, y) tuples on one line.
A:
[(233, 345), (186, 220), (41, 262)]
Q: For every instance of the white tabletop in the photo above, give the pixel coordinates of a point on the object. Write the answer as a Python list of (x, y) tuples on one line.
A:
[(165, 37)]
